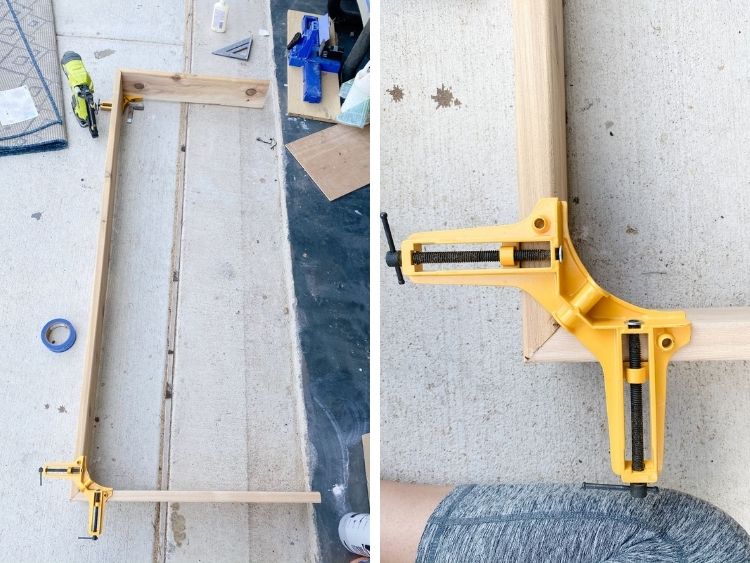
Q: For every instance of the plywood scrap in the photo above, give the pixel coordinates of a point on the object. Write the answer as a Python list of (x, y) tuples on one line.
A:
[(337, 159), (366, 450), (330, 106)]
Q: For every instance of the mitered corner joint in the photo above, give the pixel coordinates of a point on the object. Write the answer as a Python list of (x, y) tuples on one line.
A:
[(552, 273), (96, 495)]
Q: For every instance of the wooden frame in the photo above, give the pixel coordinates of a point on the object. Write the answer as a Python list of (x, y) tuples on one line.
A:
[(175, 87), (718, 334)]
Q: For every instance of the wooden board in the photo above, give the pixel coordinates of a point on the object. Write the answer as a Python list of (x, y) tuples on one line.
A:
[(718, 334), (366, 450), (540, 128), (337, 159), (92, 353), (160, 86), (179, 87), (270, 497), (330, 106)]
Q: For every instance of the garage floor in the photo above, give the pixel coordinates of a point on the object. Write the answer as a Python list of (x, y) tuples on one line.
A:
[(202, 382), (331, 272), (658, 126)]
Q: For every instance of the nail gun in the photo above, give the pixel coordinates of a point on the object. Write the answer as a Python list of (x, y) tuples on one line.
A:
[(82, 87)]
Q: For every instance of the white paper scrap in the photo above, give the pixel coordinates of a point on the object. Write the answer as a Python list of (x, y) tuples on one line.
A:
[(324, 28), (263, 32), (16, 106)]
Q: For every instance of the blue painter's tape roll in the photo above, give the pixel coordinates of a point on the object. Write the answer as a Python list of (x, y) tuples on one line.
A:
[(61, 346)]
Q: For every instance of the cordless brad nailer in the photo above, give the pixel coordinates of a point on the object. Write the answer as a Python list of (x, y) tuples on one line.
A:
[(82, 87)]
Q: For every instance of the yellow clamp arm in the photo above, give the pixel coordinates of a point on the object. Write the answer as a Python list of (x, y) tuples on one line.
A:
[(558, 280), (96, 495), (125, 102)]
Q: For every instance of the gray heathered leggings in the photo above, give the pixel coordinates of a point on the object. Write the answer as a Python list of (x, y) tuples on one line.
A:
[(564, 523)]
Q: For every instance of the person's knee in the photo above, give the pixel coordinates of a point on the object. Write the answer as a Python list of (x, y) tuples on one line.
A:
[(405, 509), (700, 527)]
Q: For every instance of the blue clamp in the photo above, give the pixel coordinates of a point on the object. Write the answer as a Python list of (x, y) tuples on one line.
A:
[(304, 51), (61, 346)]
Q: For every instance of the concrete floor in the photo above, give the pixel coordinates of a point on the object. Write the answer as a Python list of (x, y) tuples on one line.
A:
[(331, 272), (235, 419), (658, 124)]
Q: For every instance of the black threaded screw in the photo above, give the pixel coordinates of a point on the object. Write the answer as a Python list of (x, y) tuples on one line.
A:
[(636, 400), (474, 256)]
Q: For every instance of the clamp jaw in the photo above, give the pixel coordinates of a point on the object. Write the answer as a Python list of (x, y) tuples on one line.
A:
[(96, 495), (127, 104), (555, 277)]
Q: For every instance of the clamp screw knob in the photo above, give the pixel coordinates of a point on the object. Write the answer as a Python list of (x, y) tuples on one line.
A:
[(392, 257)]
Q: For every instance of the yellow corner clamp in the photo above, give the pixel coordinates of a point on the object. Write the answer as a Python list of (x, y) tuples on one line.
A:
[(567, 291), (126, 101), (96, 495)]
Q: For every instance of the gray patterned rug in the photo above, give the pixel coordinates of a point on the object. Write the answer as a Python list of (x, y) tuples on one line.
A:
[(31, 111)]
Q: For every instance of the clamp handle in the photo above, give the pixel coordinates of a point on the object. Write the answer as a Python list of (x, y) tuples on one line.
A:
[(294, 41), (392, 257)]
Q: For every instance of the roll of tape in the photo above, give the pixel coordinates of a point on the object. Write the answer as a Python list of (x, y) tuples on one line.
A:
[(58, 347)]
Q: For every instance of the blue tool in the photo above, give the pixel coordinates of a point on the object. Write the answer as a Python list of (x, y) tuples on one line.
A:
[(58, 347), (305, 51)]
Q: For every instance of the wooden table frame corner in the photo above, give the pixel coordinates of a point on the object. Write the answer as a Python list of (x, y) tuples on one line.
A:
[(539, 53)]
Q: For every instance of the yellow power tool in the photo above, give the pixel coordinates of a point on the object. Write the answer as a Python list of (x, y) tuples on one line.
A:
[(82, 88), (555, 277)]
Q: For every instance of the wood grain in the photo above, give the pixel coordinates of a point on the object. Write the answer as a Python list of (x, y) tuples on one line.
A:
[(92, 354), (718, 334), (265, 497), (337, 159), (366, 451), (330, 106), (181, 87), (540, 128)]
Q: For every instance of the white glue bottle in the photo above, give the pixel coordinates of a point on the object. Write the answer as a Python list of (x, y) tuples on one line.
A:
[(219, 19)]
